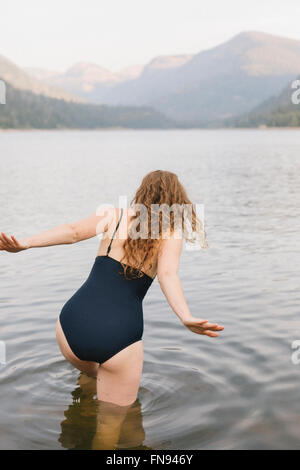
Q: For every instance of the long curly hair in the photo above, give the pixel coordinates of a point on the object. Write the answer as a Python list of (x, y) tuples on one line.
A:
[(161, 207)]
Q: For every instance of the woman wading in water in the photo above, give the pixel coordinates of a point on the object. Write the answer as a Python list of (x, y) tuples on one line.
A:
[(99, 330)]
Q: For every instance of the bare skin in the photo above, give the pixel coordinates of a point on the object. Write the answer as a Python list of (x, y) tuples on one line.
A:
[(118, 378)]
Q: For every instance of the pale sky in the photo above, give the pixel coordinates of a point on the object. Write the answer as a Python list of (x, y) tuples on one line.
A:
[(55, 34)]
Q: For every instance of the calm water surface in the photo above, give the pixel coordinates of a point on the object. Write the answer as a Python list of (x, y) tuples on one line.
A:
[(239, 391)]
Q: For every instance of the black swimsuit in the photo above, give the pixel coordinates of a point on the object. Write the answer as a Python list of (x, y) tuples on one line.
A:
[(105, 315)]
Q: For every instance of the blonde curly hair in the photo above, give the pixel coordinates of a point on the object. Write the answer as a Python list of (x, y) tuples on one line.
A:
[(163, 196)]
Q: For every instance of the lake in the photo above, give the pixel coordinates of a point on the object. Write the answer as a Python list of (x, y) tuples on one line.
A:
[(238, 391)]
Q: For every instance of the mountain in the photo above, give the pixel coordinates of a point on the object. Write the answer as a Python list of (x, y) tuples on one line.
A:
[(27, 110), (200, 90), (152, 85), (86, 80), (99, 85), (277, 111), (225, 81), (40, 74), (130, 72), (19, 79)]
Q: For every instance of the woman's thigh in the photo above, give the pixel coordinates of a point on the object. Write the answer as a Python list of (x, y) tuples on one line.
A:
[(119, 377)]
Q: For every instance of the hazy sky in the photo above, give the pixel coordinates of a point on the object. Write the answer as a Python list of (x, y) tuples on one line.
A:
[(55, 34)]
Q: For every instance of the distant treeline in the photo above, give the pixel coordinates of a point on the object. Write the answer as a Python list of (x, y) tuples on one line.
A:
[(280, 118), (278, 111), (26, 110)]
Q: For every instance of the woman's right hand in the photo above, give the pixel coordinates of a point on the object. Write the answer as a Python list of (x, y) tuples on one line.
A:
[(11, 244), (202, 327)]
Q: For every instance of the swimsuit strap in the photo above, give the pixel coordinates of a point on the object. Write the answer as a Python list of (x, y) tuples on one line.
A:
[(109, 246)]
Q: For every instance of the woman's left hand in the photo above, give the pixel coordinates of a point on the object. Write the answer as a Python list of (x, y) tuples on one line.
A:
[(11, 244)]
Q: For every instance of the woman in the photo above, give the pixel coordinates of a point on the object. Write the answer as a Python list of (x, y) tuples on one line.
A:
[(100, 328)]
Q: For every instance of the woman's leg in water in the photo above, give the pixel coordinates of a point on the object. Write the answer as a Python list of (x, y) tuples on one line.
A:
[(118, 378)]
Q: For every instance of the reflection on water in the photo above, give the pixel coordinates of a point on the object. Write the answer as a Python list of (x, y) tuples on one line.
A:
[(239, 391), (97, 425)]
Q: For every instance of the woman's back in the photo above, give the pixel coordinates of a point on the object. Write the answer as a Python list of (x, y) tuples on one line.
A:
[(114, 240)]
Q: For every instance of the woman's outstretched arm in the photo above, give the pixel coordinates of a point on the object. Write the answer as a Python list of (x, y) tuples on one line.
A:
[(61, 234), (167, 273)]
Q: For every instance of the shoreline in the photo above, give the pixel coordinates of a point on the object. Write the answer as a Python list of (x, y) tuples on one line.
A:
[(262, 128)]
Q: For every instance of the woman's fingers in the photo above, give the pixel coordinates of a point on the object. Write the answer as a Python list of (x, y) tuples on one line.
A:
[(15, 241), (199, 331), (3, 242), (205, 324), (212, 326), (209, 326), (10, 244), (6, 239), (211, 334), (206, 328)]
